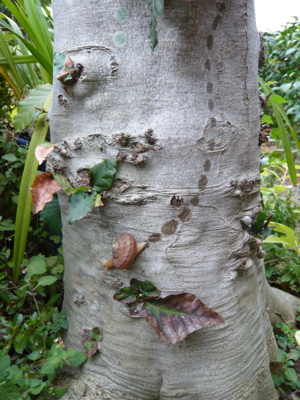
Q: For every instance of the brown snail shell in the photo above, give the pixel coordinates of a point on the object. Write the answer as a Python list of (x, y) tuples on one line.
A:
[(124, 251)]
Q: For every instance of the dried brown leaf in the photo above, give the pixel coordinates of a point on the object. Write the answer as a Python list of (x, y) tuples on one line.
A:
[(42, 190), (175, 316), (42, 151)]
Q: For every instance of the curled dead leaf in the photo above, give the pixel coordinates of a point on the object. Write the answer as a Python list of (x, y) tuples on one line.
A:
[(43, 150), (42, 190), (175, 316)]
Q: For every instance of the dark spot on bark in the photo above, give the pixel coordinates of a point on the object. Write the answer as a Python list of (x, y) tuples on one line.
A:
[(62, 100), (211, 144), (176, 201), (195, 201), (213, 121), (207, 165), (154, 237), (207, 65), (149, 137), (220, 6), (185, 215), (121, 156), (209, 42), (210, 87), (211, 104), (169, 227), (202, 182), (83, 178), (216, 22)]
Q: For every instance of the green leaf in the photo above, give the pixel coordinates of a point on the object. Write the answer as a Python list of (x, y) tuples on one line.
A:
[(15, 374), (266, 119), (102, 175), (280, 188), (49, 368), (75, 357), (284, 229), (35, 355), (146, 289), (291, 375), (59, 60), (47, 280), (37, 266), (9, 157), (80, 204), (90, 340), (27, 108), (9, 391), (51, 214), (64, 184), (284, 240), (59, 392), (278, 99), (4, 364), (258, 224), (37, 387), (127, 295)]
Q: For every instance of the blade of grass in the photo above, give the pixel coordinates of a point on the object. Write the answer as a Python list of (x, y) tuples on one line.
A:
[(40, 41), (12, 70), (19, 60), (25, 200), (278, 112), (38, 20), (28, 73)]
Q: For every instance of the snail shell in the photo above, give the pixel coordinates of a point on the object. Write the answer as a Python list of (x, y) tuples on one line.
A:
[(124, 251)]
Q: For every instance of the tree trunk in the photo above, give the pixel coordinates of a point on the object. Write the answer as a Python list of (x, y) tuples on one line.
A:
[(189, 114)]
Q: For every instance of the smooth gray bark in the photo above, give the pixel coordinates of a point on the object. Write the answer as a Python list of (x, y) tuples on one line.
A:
[(198, 93)]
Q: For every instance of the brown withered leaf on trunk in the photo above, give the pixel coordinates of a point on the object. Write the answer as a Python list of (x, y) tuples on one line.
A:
[(42, 190), (43, 150), (175, 316)]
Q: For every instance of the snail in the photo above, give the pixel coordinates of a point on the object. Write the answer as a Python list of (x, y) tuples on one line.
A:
[(124, 251)]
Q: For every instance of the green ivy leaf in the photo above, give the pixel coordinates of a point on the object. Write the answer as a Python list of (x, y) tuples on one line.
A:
[(127, 295), (146, 289), (60, 321), (90, 340), (259, 223), (81, 203), (102, 175)]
